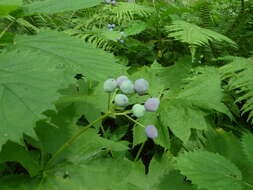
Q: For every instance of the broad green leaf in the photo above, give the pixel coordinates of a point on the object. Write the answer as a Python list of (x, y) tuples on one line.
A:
[(159, 167), (187, 108), (72, 55), (88, 99), (205, 93), (210, 171), (57, 6), (231, 149), (7, 6), (139, 135), (173, 76), (247, 143), (149, 73), (28, 86), (174, 180), (12, 152), (181, 117), (85, 146)]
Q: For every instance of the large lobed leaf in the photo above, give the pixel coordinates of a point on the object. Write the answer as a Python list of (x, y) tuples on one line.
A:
[(28, 86), (31, 76), (57, 6), (71, 54), (187, 109)]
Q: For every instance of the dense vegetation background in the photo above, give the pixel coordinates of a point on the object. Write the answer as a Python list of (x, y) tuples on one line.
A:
[(56, 131)]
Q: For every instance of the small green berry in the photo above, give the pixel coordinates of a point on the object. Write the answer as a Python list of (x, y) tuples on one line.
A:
[(110, 85), (138, 110), (127, 87), (121, 100)]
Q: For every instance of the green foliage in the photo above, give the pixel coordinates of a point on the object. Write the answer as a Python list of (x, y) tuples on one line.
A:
[(60, 130)]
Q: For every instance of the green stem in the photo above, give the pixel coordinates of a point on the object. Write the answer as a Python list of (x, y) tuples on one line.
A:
[(109, 101), (75, 137), (249, 185), (103, 131), (133, 120), (139, 151), (6, 29), (123, 113)]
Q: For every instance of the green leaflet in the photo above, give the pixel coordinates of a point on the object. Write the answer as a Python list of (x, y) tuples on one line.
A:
[(28, 86), (7, 6), (58, 6), (72, 55), (210, 171)]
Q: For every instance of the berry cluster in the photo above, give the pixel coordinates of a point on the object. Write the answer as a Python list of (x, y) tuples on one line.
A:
[(127, 87), (112, 2)]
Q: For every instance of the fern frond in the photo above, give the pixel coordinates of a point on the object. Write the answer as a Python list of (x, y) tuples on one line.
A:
[(128, 11), (239, 75), (204, 8), (195, 35), (99, 37)]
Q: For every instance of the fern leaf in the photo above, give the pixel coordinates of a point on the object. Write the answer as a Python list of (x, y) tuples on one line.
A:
[(127, 11), (239, 76), (195, 35)]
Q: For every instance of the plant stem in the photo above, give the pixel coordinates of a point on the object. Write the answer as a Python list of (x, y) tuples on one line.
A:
[(139, 151), (6, 29), (123, 113), (75, 137), (249, 185), (133, 120), (109, 101)]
